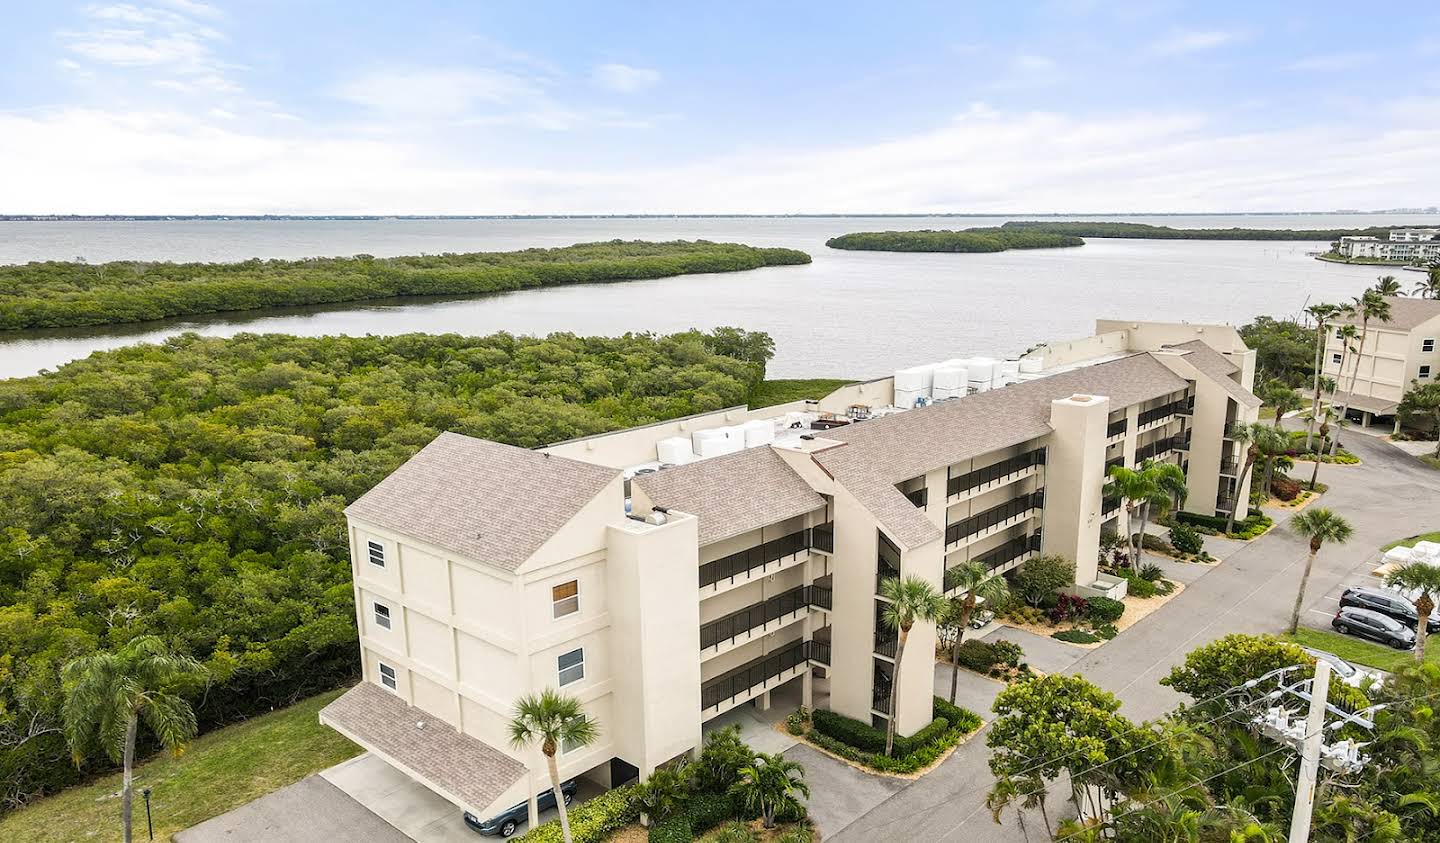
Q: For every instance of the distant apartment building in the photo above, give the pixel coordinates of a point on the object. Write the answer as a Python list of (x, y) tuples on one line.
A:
[(665, 574), (1409, 245), (1398, 352)]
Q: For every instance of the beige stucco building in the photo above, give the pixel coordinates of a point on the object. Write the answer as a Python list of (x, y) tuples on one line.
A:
[(663, 595), (1398, 352)]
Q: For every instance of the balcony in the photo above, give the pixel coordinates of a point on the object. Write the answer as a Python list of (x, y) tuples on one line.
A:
[(885, 643), (821, 594), (822, 537), (1230, 467), (739, 568), (919, 497), (1117, 428), (1113, 462), (1186, 406), (993, 476), (1012, 551), (1110, 505), (986, 523), (818, 650), (880, 699), (1164, 413), (739, 627), (749, 679), (883, 572), (1162, 447)]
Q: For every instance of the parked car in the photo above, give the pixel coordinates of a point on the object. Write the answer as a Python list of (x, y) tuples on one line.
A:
[(1386, 602), (505, 822), (1345, 671), (1375, 626)]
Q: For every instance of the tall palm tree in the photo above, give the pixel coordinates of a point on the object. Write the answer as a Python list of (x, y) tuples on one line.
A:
[(769, 785), (1370, 304), (1320, 526), (109, 694), (1429, 286), (553, 720), (911, 600), (1284, 400), (1386, 285), (1245, 435), (976, 583), (1423, 579), (1347, 334), (1327, 415), (1323, 314), (1272, 444), (1138, 489)]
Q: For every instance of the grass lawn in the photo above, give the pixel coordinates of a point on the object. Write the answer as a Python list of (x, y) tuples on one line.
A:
[(1413, 540), (770, 393), (1430, 460), (219, 771), (1353, 649)]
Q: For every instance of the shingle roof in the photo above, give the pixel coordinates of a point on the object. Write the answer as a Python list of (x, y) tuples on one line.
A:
[(732, 494), (882, 452), (489, 502), (1377, 406), (462, 766), (1214, 365), (1405, 313)]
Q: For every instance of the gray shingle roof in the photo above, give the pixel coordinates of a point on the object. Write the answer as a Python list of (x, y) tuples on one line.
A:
[(882, 452), (1405, 313), (1215, 366), (489, 502), (462, 766), (732, 494), (1377, 406)]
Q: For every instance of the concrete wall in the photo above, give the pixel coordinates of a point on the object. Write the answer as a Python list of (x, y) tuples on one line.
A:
[(636, 445), (1086, 348), (1387, 363), (1075, 473), (1152, 336), (875, 393)]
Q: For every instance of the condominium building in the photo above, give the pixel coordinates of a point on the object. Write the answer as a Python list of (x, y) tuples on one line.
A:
[(1398, 352), (1413, 246), (1414, 235), (664, 575)]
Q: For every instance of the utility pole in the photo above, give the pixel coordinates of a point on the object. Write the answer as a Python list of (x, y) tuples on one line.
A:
[(1310, 754)]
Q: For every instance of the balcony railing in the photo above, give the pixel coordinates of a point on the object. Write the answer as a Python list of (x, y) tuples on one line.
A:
[(1163, 411), (755, 672), (821, 594), (1116, 428), (880, 698), (741, 563), (1111, 463), (1009, 551), (990, 473), (884, 572), (818, 651), (885, 643), (1187, 406), (1160, 447), (736, 624), (1225, 503), (1109, 505), (822, 537), (919, 497), (1231, 467), (994, 516)]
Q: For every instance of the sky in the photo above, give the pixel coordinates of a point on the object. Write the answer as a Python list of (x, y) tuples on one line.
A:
[(469, 107)]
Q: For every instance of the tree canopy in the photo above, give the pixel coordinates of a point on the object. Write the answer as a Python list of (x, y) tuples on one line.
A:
[(969, 240), (194, 491), (70, 293)]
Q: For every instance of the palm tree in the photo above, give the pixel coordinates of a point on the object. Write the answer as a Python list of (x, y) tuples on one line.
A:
[(1420, 401), (1327, 415), (108, 694), (1272, 445), (770, 785), (1368, 305), (1138, 488), (1319, 525), (1323, 314), (1423, 579), (1244, 436), (553, 720), (1386, 285), (1429, 286), (976, 582), (910, 600), (1284, 400)]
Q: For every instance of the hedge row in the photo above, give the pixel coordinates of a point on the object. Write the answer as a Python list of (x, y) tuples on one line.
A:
[(592, 821)]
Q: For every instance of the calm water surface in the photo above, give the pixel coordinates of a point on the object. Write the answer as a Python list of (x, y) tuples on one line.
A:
[(848, 314)]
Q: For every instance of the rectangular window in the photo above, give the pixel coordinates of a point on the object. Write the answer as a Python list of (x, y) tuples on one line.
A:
[(382, 615), (1427, 345), (572, 666), (565, 598), (567, 747), (387, 677), (1335, 358), (377, 553), (1338, 334), (1424, 371)]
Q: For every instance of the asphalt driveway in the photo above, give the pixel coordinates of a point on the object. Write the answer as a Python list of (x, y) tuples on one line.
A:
[(309, 810)]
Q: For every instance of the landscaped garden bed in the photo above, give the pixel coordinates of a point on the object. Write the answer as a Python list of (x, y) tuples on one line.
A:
[(1253, 527), (863, 745)]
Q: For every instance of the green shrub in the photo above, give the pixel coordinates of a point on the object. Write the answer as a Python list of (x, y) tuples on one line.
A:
[(1164, 587), (1285, 488), (798, 833), (733, 832), (1140, 588), (848, 730), (976, 655), (1107, 631), (592, 821), (1155, 543), (1186, 539), (961, 719), (721, 758), (1007, 652), (704, 811), (664, 793), (796, 722), (673, 830), (1151, 572), (1105, 610), (1075, 636), (907, 745)]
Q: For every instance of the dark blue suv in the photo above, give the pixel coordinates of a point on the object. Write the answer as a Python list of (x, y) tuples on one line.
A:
[(505, 822)]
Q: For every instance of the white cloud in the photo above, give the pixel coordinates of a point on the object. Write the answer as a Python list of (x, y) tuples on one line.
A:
[(90, 161), (1192, 41), (147, 38), (1029, 63), (1331, 62), (439, 92), (623, 78)]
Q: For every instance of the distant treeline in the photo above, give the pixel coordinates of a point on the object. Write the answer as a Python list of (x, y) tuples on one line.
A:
[(63, 293), (969, 240), (1141, 231)]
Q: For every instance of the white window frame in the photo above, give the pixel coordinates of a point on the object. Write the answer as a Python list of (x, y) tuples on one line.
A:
[(1338, 335), (382, 614), (1424, 371), (388, 677), (570, 605), (1336, 358), (376, 553), (566, 748), (561, 671), (1427, 344)]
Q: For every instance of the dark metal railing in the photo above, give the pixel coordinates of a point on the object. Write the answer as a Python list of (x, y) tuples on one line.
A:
[(1116, 428), (822, 537), (990, 473), (742, 562), (1109, 505), (993, 516), (1111, 463), (1230, 467), (736, 624), (1187, 406), (880, 698), (821, 594), (754, 672), (1225, 503), (919, 497), (886, 642), (1161, 446), (818, 651), (884, 572), (1163, 411), (1009, 551)]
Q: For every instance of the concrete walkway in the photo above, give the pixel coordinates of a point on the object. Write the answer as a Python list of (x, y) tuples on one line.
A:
[(309, 810)]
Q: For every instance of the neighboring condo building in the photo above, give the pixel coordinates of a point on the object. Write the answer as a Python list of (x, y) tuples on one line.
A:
[(1407, 245), (663, 586), (1398, 353)]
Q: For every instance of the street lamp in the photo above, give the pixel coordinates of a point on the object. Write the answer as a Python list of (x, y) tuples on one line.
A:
[(149, 825)]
